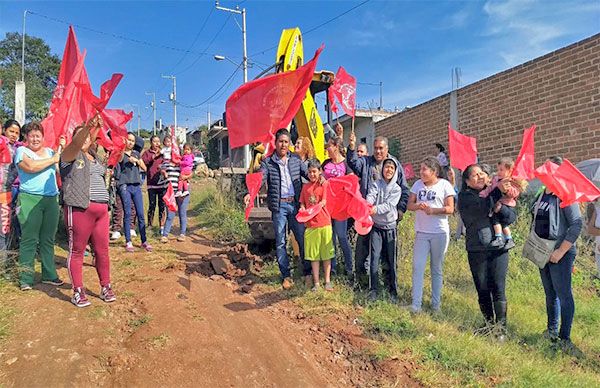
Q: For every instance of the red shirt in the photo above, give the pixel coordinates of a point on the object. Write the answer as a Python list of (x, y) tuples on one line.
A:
[(312, 193)]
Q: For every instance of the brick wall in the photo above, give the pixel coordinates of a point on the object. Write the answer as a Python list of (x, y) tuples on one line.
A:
[(559, 92)]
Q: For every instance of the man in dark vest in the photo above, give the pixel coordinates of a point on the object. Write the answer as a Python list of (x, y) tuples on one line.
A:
[(283, 172)]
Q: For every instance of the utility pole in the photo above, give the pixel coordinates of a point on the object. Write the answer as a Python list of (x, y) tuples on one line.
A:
[(244, 61), (23, 50), (381, 95), (173, 98), (153, 104), (138, 115)]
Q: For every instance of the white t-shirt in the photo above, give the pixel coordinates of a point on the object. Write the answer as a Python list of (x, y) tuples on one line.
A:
[(434, 196)]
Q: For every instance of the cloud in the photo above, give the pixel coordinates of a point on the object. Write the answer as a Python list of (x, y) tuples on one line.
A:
[(524, 29), (458, 19)]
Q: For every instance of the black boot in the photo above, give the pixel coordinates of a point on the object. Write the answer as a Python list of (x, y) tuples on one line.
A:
[(500, 308), (487, 309)]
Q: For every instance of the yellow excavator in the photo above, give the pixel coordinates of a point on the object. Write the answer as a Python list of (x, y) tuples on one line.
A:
[(306, 123)]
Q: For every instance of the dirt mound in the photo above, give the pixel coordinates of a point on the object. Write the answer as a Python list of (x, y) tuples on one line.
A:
[(235, 263)]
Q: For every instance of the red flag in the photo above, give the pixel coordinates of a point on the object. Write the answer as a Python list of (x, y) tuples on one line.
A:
[(5, 156), (307, 214), (363, 226), (106, 91), (344, 89), (343, 199), (463, 149), (567, 183), (175, 155), (116, 119), (409, 171), (169, 199), (253, 183), (259, 108), (525, 164), (331, 99)]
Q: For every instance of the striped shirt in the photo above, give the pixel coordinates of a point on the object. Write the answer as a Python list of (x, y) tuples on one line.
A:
[(98, 191), (173, 173)]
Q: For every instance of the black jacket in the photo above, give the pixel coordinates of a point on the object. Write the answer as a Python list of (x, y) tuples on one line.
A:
[(474, 212)]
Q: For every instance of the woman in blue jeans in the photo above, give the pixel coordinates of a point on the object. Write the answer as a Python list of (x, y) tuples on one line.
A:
[(432, 199), (562, 225), (173, 173), (130, 190), (334, 167)]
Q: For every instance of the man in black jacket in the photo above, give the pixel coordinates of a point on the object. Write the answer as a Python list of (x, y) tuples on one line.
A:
[(368, 169), (283, 173)]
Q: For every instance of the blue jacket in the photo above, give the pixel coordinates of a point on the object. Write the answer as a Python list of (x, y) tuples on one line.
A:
[(362, 166), (271, 175)]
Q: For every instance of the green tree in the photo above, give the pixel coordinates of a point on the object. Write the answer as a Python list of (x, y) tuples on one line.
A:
[(41, 73)]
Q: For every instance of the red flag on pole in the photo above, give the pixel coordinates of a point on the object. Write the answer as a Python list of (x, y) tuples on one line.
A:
[(259, 108), (116, 119), (253, 183), (175, 155), (463, 149), (525, 163), (169, 198), (567, 182), (106, 91), (344, 89)]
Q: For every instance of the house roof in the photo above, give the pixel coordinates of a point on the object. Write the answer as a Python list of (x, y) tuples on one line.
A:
[(375, 114)]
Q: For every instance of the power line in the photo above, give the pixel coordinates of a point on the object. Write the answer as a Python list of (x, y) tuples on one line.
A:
[(204, 52), (215, 93), (195, 40), (318, 26), (116, 36)]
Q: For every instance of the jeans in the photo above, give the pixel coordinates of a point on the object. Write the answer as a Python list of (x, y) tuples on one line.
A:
[(383, 248), (433, 245), (282, 219), (340, 233), (489, 275), (362, 254), (38, 216), (556, 279), (155, 197), (182, 207), (128, 194)]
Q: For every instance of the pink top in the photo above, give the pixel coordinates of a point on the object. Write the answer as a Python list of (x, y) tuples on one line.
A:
[(186, 164), (509, 198)]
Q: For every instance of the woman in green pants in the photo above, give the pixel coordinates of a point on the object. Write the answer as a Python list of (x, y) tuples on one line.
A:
[(37, 206)]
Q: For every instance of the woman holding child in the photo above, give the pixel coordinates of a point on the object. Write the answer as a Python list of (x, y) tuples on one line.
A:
[(488, 264)]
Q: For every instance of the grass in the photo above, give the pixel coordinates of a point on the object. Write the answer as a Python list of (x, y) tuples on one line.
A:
[(139, 322), (442, 345), (220, 214)]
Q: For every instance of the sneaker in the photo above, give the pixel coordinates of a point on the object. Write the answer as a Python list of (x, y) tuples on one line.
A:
[(107, 294), (316, 287), (550, 335), (164, 239), (568, 347), (287, 283), (162, 228), (79, 298), (372, 296), (129, 247), (498, 242), (328, 286), (181, 237), (510, 244), (115, 235), (132, 233), (147, 247), (54, 282), (25, 287)]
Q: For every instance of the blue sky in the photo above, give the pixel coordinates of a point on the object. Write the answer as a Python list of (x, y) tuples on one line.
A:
[(411, 46)]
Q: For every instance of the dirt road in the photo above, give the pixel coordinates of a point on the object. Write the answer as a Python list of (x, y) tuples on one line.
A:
[(169, 328)]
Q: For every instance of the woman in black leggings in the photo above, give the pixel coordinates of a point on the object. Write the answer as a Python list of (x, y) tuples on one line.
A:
[(488, 265)]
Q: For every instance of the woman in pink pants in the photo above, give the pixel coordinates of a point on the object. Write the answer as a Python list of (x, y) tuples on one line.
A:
[(85, 205)]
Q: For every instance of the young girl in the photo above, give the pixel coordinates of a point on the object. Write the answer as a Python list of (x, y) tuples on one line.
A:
[(432, 199), (130, 189), (318, 237), (504, 192), (186, 165)]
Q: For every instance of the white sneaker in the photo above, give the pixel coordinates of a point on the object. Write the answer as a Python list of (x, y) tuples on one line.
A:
[(115, 235), (133, 233)]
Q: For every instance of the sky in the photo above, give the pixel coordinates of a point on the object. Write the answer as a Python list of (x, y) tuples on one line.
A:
[(410, 46)]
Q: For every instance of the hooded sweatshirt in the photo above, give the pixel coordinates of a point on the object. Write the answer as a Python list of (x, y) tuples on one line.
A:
[(384, 197)]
